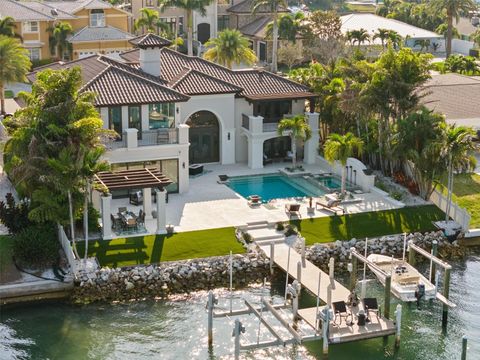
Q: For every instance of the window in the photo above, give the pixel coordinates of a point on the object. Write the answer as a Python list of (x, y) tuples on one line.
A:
[(97, 18), (161, 115), (34, 54), (272, 111), (172, 24), (149, 3), (223, 22), (115, 120), (30, 26), (135, 119), (262, 51)]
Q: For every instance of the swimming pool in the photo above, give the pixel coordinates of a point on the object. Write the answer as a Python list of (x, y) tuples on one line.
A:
[(273, 186)]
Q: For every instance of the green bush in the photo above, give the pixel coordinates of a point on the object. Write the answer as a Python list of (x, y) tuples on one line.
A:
[(36, 246), (381, 186), (291, 230), (280, 226), (14, 216), (397, 195), (93, 216), (247, 237)]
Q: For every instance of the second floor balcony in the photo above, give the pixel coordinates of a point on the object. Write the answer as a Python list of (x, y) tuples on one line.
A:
[(260, 124), (132, 138)]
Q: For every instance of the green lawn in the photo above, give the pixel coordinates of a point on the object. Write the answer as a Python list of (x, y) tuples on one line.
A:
[(8, 94), (466, 193), (154, 249), (369, 224), (216, 242), (6, 245)]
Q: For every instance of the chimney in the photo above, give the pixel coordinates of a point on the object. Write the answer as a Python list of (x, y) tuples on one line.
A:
[(150, 46)]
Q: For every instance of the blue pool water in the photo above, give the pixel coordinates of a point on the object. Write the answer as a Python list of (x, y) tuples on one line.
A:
[(273, 187)]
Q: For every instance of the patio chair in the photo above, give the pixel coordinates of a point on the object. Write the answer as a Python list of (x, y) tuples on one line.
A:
[(289, 156), (223, 179), (292, 209), (371, 305), (254, 200), (116, 222), (141, 218), (267, 160), (330, 206), (136, 198), (122, 209), (340, 309)]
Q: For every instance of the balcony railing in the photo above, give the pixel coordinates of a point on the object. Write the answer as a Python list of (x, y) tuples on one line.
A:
[(158, 137), (269, 124), (246, 121)]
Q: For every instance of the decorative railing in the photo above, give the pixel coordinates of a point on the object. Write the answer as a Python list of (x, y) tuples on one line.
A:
[(159, 137), (246, 121)]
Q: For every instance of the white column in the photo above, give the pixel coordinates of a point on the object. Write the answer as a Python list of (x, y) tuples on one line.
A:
[(145, 120), (147, 202), (106, 221), (161, 212), (104, 116), (255, 153), (310, 149), (183, 159), (131, 138), (124, 118), (256, 124)]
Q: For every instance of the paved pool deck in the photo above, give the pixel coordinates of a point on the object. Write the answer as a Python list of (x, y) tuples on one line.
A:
[(209, 205)]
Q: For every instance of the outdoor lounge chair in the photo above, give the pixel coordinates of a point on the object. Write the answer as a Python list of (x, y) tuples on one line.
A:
[(331, 206), (340, 309), (293, 209), (223, 179), (254, 200), (371, 305)]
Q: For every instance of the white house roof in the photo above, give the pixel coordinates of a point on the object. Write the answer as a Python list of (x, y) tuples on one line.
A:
[(372, 23)]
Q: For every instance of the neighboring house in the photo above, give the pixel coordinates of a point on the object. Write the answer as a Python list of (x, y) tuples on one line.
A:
[(466, 27), (98, 26), (456, 96), (410, 33), (173, 110)]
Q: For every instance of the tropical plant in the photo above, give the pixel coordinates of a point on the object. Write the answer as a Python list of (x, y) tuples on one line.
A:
[(387, 7), (453, 10), (150, 20), (475, 37), (230, 47), (395, 39), (358, 36), (14, 215), (298, 129), (58, 39), (189, 6), (290, 26), (272, 6), (458, 149), (36, 247), (7, 27), (14, 65), (340, 148), (424, 44), (383, 35), (442, 29)]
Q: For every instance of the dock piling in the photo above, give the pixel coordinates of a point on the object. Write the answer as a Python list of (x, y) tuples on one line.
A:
[(433, 266), (398, 324), (464, 347), (388, 284), (325, 325), (272, 256), (411, 254), (299, 272), (231, 280), (446, 291), (236, 333), (210, 305), (287, 272), (353, 273), (303, 252)]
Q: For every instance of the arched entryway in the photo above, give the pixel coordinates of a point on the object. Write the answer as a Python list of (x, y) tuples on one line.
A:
[(277, 147), (204, 137), (203, 32)]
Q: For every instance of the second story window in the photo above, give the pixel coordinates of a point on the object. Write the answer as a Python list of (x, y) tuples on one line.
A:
[(223, 22), (149, 3), (30, 26), (97, 18)]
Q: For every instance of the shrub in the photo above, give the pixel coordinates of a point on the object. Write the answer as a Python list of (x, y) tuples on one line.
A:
[(381, 186), (14, 216), (291, 230), (93, 215), (36, 246), (279, 226), (247, 237), (397, 195)]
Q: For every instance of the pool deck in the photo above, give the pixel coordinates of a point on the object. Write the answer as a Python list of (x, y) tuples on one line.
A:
[(209, 205)]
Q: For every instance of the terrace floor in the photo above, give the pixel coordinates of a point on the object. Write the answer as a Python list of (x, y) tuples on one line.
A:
[(209, 205)]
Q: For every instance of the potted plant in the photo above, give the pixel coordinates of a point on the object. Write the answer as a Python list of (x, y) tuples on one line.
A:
[(170, 228)]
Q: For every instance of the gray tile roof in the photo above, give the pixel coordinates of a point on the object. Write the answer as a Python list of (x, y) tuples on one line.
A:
[(150, 40), (99, 34), (245, 7), (72, 6), (21, 11), (257, 27)]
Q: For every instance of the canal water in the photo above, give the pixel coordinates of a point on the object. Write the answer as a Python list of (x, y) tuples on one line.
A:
[(176, 329)]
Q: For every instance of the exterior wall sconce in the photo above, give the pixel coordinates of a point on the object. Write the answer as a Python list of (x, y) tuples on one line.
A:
[(228, 136), (177, 110), (183, 165)]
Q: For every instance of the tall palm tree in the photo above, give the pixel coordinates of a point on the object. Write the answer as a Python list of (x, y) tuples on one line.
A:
[(453, 9), (58, 38), (340, 148), (387, 7), (298, 129), (290, 26), (394, 38), (7, 27), (383, 35), (151, 21), (230, 47), (358, 36), (189, 6), (14, 65), (423, 43), (272, 6), (458, 148)]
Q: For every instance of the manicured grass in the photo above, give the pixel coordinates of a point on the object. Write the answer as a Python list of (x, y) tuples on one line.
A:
[(154, 249), (8, 94), (368, 224), (6, 247), (466, 193)]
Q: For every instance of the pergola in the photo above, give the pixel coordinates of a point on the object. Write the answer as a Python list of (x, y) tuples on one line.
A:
[(144, 179)]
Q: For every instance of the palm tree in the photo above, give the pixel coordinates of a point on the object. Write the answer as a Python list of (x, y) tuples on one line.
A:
[(14, 65), (387, 7), (340, 148), (423, 43), (272, 6), (151, 21), (394, 38), (382, 34), (230, 47), (358, 36), (297, 128), (58, 38), (7, 27), (453, 8), (289, 27), (458, 147), (189, 6)]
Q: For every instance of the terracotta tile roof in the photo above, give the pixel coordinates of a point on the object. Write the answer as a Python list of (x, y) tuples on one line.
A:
[(115, 86), (130, 55), (150, 40), (245, 7), (256, 27), (192, 82)]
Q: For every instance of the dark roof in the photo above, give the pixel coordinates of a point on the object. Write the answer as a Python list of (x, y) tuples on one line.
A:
[(150, 41), (131, 179), (256, 27), (193, 82), (130, 55), (115, 86), (246, 6)]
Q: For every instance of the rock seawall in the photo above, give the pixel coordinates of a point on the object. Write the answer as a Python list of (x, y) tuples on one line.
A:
[(152, 281)]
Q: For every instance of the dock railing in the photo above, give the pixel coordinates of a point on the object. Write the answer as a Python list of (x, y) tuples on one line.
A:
[(67, 249), (460, 215)]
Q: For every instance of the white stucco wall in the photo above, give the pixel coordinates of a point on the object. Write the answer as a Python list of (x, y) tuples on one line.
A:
[(209, 18), (241, 147), (223, 106)]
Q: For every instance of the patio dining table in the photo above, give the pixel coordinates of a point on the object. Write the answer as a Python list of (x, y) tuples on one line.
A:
[(128, 218)]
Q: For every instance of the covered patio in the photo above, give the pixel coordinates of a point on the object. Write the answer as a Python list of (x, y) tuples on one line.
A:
[(124, 221)]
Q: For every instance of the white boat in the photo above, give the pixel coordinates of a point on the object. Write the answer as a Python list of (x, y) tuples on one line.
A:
[(407, 282)]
